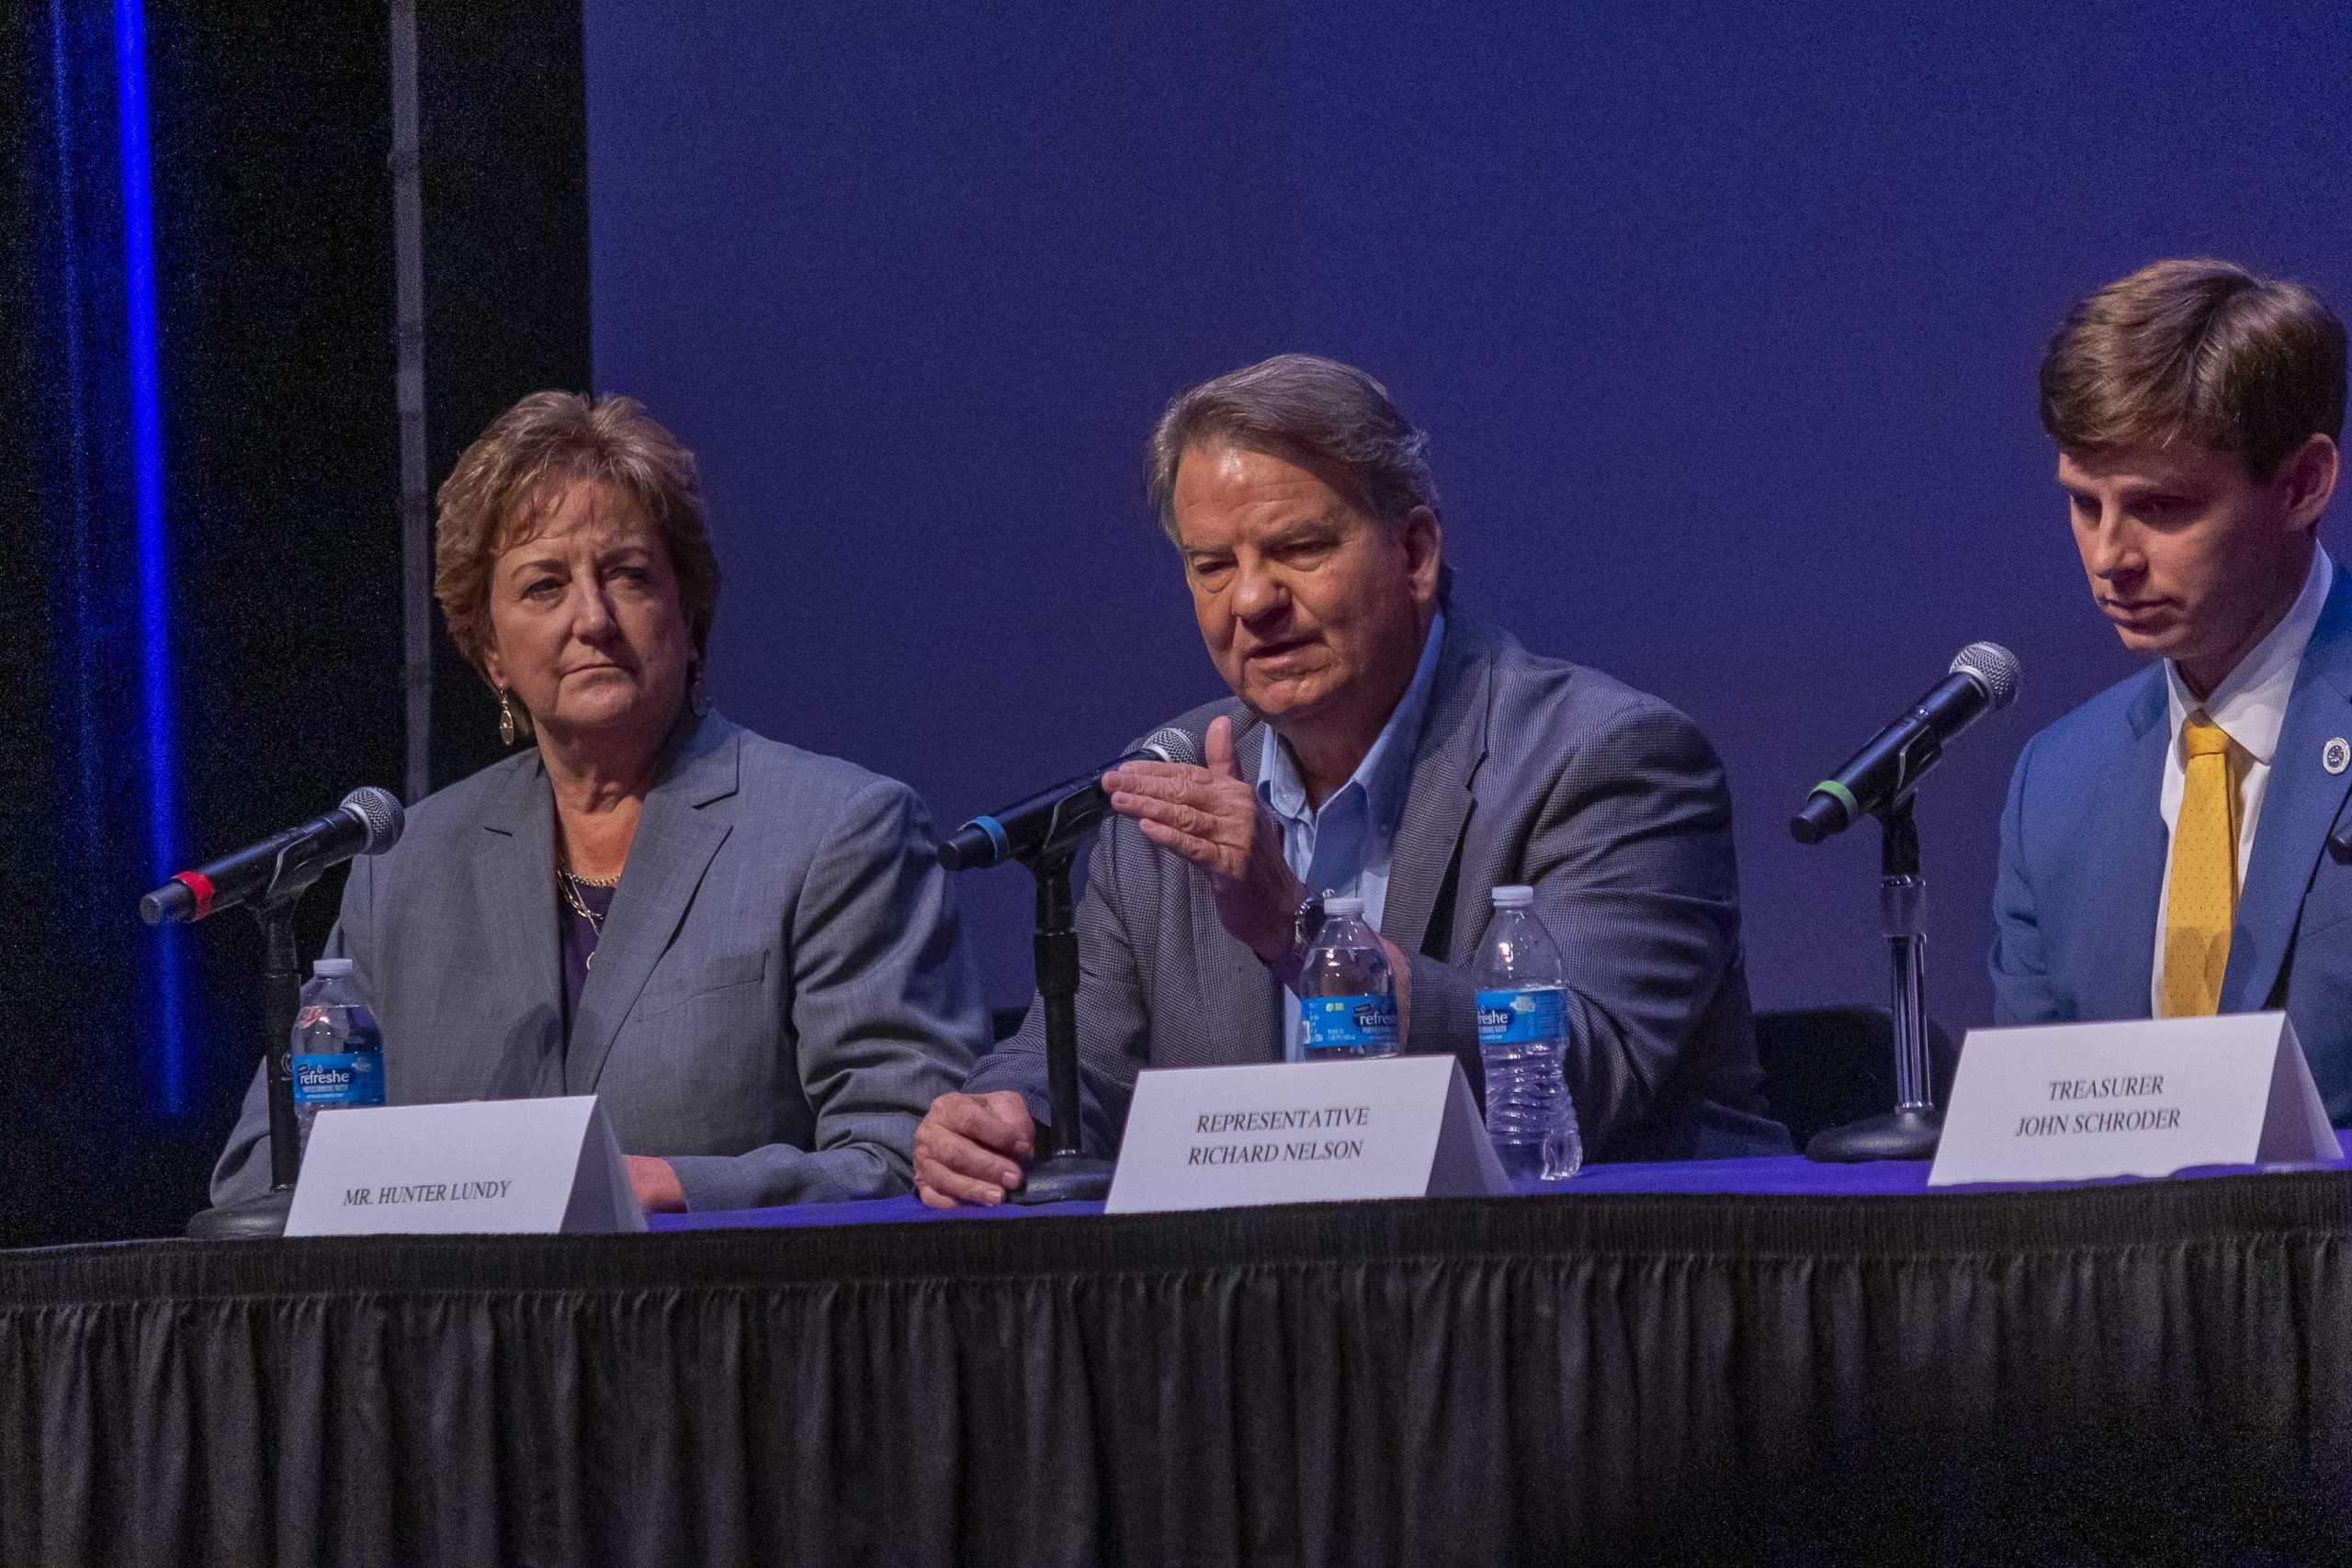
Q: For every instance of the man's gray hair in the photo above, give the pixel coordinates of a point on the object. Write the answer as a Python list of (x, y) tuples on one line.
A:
[(1299, 405)]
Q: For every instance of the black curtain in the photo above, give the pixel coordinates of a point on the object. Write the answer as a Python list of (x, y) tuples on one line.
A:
[(2150, 1373), (268, 128)]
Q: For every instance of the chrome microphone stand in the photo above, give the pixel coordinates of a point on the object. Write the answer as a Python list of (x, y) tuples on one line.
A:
[(1912, 1129)]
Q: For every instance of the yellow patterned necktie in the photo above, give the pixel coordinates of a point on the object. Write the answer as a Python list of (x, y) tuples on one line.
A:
[(2202, 898)]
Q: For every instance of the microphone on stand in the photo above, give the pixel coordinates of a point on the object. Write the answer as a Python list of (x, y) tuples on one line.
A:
[(1045, 833), (268, 878), (1056, 815), (369, 822), (1878, 781), (1984, 679)]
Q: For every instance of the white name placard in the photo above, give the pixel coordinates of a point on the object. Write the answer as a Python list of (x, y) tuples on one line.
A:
[(1303, 1133), (512, 1166), (2077, 1102)]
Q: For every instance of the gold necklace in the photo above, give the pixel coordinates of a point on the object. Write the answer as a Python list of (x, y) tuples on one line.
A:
[(565, 880)]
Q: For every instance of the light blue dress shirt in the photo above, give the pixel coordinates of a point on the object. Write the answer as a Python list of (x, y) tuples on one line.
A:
[(1345, 847)]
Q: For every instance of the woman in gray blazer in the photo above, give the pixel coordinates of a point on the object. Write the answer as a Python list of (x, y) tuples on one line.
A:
[(748, 951)]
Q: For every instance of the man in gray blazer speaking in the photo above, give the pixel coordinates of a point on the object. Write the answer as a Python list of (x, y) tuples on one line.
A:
[(1381, 742)]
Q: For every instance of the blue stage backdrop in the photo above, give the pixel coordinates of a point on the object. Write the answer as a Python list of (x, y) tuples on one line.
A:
[(1725, 324)]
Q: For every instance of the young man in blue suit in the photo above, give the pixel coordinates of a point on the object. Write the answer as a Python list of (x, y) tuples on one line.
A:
[(2181, 845)]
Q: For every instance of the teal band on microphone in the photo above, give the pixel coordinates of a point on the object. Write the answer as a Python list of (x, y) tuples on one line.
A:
[(995, 831), (1845, 797)]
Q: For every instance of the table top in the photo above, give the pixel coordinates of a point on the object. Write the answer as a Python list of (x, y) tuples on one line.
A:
[(1785, 1176)]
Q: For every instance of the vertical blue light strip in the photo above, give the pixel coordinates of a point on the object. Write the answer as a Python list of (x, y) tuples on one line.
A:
[(147, 486)]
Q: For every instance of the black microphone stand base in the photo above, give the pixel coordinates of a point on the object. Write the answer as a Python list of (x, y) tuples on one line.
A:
[(1915, 1126), (1909, 1133), (1064, 1178), (281, 1002), (246, 1220)]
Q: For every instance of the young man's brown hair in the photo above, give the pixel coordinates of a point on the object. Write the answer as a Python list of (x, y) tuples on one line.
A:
[(2200, 351)]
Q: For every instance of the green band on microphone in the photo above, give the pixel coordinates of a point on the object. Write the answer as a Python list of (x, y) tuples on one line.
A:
[(1831, 787)]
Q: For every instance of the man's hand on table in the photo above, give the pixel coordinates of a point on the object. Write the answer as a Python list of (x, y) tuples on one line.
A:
[(971, 1148), (655, 1185)]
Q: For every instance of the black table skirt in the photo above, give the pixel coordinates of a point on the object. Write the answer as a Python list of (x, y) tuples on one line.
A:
[(2150, 1373)]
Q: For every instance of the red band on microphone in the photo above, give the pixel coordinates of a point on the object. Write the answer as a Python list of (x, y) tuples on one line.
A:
[(201, 885)]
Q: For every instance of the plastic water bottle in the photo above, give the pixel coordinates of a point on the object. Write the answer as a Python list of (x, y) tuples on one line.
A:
[(338, 1051), (1523, 1040), (1347, 997)]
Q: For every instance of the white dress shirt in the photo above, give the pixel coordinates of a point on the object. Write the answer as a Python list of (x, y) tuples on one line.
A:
[(2250, 705)]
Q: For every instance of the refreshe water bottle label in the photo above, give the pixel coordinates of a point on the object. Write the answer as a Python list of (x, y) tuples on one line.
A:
[(1512, 1018), (1362, 1025), (355, 1078)]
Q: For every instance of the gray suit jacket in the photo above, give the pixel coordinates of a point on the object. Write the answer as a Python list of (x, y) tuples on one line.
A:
[(1529, 770), (779, 992)]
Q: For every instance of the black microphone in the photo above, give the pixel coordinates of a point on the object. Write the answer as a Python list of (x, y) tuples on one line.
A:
[(1984, 679), (1055, 815), (369, 822)]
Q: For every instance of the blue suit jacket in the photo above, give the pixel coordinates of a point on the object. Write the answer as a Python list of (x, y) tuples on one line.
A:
[(2082, 848), (780, 991)]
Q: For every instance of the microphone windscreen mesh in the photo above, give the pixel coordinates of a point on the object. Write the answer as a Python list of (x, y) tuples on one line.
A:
[(1170, 744), (379, 812), (1993, 665)]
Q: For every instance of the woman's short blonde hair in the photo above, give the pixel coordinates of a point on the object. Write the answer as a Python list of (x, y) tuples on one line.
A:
[(517, 469)]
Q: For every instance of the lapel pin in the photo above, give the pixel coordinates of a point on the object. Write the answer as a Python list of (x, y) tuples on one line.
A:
[(2336, 755)]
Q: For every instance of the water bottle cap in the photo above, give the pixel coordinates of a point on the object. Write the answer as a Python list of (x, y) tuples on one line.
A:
[(331, 968), (1514, 897), (1343, 904)]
